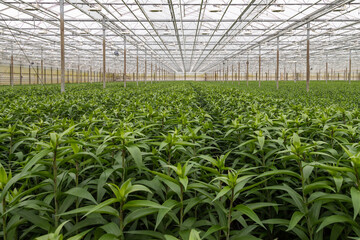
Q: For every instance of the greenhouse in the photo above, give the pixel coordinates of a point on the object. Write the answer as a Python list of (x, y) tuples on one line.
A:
[(184, 120)]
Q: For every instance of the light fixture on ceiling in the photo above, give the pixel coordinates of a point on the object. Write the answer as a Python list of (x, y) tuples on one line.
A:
[(43, 31), (278, 8), (215, 9), (206, 32), (84, 32), (125, 32), (289, 33), (155, 9), (95, 8), (247, 32), (32, 7), (340, 8)]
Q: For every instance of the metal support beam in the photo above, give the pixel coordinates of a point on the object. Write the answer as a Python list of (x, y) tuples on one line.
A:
[(277, 63), (308, 58), (247, 72), (21, 77), (349, 78), (104, 54), (62, 46), (259, 65), (145, 72), (12, 71), (137, 66), (124, 75)]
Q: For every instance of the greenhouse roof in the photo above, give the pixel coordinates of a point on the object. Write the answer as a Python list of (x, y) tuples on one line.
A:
[(182, 35)]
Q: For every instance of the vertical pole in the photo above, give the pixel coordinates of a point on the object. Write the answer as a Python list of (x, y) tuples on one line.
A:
[(326, 69), (227, 71), (104, 54), (308, 58), (51, 73), (151, 69), (277, 64), (295, 77), (259, 65), (21, 74), (232, 73), (195, 76), (349, 78), (91, 75), (57, 75), (44, 75), (137, 66), (42, 67), (247, 71), (37, 73), (12, 71), (124, 76), (145, 72), (62, 46), (72, 75), (78, 71), (29, 75), (238, 73)]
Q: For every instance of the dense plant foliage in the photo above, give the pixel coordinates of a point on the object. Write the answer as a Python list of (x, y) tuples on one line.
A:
[(180, 161)]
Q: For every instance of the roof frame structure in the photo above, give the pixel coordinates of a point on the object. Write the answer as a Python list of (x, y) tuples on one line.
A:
[(184, 35)]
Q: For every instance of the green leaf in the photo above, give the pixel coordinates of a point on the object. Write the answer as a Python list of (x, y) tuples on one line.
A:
[(194, 235), (250, 213), (317, 185), (80, 235), (166, 177), (296, 141), (142, 203), (261, 141), (108, 236), (136, 154), (101, 205), (112, 228), (81, 193), (212, 229), (334, 219), (222, 193), (296, 217), (355, 197), (168, 237), (168, 204), (184, 181), (279, 172), (138, 213)]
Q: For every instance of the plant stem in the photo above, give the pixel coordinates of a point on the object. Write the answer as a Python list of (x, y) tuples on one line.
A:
[(121, 219), (77, 184), (310, 231), (229, 215), (181, 205), (55, 187), (4, 218), (123, 164)]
